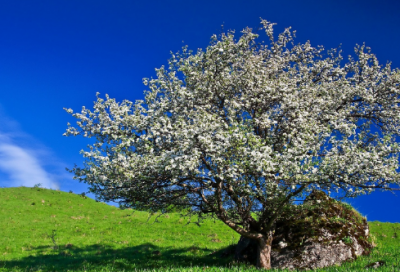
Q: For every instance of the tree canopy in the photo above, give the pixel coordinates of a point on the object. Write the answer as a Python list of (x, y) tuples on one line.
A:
[(243, 128)]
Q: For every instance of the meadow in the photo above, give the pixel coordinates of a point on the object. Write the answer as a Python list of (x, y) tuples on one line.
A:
[(50, 230)]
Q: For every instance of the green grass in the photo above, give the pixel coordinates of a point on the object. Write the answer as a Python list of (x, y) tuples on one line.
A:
[(48, 230)]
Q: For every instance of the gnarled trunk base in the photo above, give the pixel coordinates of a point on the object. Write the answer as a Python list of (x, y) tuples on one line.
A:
[(264, 252), (255, 252)]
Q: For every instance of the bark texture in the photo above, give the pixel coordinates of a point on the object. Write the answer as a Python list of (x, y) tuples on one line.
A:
[(264, 246), (255, 251)]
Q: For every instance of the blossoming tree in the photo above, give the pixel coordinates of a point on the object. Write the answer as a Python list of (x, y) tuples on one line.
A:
[(242, 129)]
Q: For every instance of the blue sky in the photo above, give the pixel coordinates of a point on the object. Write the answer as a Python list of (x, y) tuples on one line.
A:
[(56, 54)]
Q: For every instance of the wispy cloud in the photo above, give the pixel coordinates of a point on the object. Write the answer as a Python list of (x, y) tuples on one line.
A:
[(23, 160), (23, 168)]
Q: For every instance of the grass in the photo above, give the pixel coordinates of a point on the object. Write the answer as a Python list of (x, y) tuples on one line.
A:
[(48, 230)]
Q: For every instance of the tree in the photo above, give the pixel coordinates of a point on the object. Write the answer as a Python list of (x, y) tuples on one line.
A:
[(241, 130)]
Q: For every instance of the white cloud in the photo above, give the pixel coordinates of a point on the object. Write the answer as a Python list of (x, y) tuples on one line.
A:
[(24, 161), (22, 167)]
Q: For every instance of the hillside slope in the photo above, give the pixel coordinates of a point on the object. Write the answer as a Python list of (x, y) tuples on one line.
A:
[(84, 229), (48, 230)]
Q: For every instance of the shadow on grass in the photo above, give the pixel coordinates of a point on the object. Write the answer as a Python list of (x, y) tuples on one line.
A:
[(98, 256)]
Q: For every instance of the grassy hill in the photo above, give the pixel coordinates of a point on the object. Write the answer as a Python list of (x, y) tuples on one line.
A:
[(48, 230)]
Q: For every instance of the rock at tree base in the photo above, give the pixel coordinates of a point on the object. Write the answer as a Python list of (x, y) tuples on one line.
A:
[(321, 232)]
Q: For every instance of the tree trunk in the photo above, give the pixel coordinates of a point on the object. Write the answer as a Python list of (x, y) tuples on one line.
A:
[(264, 251)]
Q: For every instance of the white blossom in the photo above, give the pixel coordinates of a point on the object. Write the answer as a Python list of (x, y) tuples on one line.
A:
[(246, 125)]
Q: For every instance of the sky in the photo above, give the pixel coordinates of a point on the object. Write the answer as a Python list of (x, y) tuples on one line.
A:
[(58, 54)]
